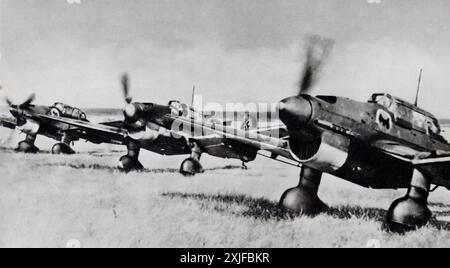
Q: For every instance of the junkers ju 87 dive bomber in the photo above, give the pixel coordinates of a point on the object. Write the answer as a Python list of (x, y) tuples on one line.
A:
[(385, 143), (145, 126), (34, 120), (150, 126)]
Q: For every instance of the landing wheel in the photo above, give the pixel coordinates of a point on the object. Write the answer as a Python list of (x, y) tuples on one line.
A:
[(62, 148), (409, 213), (302, 201), (190, 167), (128, 163), (27, 147)]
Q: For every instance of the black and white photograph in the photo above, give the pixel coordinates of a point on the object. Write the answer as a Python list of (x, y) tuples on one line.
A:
[(247, 125)]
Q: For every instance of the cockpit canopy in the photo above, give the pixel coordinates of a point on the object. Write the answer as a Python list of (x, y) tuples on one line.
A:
[(64, 110), (408, 114), (176, 107)]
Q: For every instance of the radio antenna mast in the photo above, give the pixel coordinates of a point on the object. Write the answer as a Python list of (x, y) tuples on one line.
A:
[(418, 88), (193, 97)]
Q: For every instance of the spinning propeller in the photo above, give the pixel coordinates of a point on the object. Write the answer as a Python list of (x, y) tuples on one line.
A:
[(24, 104), (317, 51), (126, 88), (296, 112), (134, 113), (16, 112), (131, 110)]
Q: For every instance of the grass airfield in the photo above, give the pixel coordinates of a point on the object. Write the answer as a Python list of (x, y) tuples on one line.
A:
[(52, 201)]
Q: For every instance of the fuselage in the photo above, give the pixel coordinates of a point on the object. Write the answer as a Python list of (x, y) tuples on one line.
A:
[(362, 142), (395, 122), (29, 121)]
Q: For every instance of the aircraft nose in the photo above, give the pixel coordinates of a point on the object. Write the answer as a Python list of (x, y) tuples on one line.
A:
[(14, 111), (130, 110), (295, 112), (131, 113)]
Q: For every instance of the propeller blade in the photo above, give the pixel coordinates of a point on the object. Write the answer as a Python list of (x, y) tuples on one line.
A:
[(27, 103), (126, 88), (317, 51), (9, 102)]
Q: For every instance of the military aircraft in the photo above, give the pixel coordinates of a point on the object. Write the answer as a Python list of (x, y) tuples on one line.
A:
[(150, 126), (385, 143), (34, 120)]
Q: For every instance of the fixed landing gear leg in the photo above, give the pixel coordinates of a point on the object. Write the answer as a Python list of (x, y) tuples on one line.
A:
[(130, 162), (303, 199), (411, 212), (192, 165), (63, 147), (27, 145)]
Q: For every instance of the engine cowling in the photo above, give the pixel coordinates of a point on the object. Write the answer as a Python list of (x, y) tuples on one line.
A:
[(30, 127), (326, 154)]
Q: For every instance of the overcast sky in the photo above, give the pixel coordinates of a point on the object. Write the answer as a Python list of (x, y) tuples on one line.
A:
[(246, 50)]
